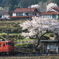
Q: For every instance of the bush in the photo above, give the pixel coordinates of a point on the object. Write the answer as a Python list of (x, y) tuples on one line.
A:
[(13, 27), (44, 38), (20, 37), (52, 35), (2, 38), (24, 45)]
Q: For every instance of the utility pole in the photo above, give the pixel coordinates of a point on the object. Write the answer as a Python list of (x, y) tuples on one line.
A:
[(7, 31), (30, 11), (42, 6)]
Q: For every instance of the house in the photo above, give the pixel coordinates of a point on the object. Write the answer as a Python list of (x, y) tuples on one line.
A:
[(24, 13), (50, 46), (4, 15), (53, 13)]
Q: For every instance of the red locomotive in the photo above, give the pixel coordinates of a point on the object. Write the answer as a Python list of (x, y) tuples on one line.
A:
[(6, 46)]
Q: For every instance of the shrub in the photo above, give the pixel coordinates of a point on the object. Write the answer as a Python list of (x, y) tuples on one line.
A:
[(20, 37), (24, 45), (52, 35)]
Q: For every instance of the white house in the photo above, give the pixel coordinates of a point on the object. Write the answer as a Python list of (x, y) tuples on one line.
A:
[(25, 13), (4, 15), (54, 13)]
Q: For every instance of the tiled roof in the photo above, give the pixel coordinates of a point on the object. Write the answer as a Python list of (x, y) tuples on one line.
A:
[(56, 8), (19, 16), (3, 13), (50, 12), (24, 10)]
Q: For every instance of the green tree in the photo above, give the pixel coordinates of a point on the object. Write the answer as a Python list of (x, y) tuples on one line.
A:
[(1, 1), (56, 1), (26, 3), (11, 4)]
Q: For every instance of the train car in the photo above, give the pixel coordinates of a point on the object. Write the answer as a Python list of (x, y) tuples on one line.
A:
[(6, 47)]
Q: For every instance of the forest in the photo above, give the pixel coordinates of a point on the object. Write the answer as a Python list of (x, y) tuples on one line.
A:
[(13, 4), (24, 3)]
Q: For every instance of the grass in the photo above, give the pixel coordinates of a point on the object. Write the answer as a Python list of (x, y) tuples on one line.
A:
[(16, 21), (10, 33), (15, 30), (3, 33), (24, 45), (26, 39), (20, 40), (48, 34), (17, 34), (15, 38)]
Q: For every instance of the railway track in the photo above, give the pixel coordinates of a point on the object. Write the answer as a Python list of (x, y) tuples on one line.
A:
[(28, 54)]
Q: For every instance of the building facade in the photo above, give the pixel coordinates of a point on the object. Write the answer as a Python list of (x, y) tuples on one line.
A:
[(25, 12), (53, 13), (4, 15), (50, 46)]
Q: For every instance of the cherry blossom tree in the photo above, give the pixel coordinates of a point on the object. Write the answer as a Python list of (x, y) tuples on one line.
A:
[(50, 6), (38, 26)]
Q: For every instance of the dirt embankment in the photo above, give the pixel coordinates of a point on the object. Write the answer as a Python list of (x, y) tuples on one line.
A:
[(31, 57)]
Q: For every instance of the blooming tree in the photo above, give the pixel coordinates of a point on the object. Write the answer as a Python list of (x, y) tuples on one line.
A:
[(50, 6), (35, 6), (38, 26)]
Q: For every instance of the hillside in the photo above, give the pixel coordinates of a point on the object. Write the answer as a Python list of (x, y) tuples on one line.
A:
[(24, 3), (18, 2), (13, 4)]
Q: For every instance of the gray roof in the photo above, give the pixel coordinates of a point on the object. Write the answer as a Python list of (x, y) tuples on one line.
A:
[(48, 41), (3, 12)]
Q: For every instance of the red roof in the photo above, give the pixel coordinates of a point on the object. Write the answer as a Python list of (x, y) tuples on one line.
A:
[(56, 8), (19, 16), (50, 12), (24, 10)]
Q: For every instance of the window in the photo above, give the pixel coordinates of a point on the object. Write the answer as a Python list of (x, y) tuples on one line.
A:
[(0, 44), (9, 43), (53, 16), (0, 16), (4, 45), (19, 14), (51, 46), (26, 14)]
